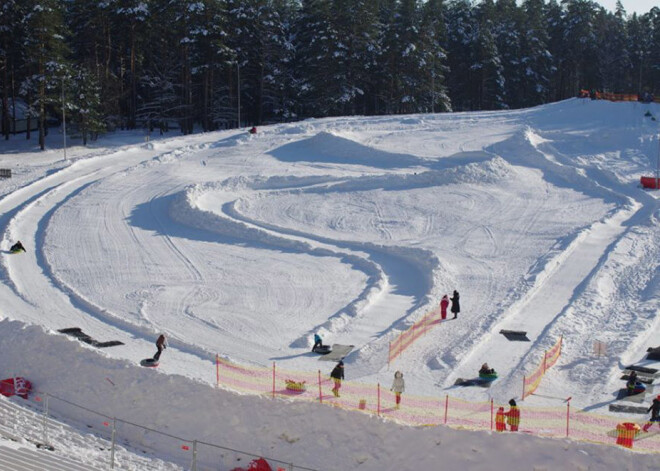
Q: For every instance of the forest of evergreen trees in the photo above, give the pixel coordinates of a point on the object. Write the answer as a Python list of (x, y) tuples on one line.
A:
[(219, 63)]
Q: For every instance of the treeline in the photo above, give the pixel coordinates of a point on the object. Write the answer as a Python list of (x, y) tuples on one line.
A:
[(224, 63)]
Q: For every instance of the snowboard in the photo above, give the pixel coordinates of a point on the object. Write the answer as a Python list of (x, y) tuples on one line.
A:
[(149, 362)]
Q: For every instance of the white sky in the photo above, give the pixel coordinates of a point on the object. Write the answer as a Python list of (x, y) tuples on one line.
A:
[(631, 6)]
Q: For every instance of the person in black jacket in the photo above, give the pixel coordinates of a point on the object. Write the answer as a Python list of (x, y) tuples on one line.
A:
[(337, 375), (17, 247), (655, 414), (455, 305), (161, 344)]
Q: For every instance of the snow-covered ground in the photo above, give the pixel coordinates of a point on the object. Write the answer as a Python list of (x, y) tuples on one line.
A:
[(246, 245)]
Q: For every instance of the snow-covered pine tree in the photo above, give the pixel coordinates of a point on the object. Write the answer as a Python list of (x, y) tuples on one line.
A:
[(536, 59), (488, 71), (46, 52), (640, 34), (614, 66), (315, 45), (434, 57), (130, 20), (580, 68)]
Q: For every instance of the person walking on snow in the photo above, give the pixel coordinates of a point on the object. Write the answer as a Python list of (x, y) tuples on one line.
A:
[(655, 414), (443, 306), (318, 342), (398, 386), (513, 416), (161, 344), (337, 375), (455, 305)]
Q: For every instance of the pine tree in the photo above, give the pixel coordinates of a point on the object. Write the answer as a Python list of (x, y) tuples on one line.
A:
[(640, 34), (315, 44), (12, 57), (536, 60), (46, 60), (614, 67), (434, 57), (489, 76)]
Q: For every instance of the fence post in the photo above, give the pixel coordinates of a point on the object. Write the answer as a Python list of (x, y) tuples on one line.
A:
[(568, 414), (524, 381), (378, 407), (389, 355), (217, 370), (545, 360), (491, 414), (45, 422), (446, 407), (320, 390), (194, 458), (273, 380), (112, 448)]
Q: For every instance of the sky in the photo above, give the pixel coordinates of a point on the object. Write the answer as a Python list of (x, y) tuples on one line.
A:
[(631, 6), (244, 246)]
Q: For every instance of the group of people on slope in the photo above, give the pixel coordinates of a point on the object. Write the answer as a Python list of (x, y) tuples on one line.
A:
[(455, 305), (511, 417)]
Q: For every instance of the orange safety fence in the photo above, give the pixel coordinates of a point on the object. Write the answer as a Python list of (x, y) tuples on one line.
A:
[(414, 410), (533, 380), (418, 329), (614, 96)]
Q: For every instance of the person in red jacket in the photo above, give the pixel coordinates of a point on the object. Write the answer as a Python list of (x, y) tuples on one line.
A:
[(513, 416), (443, 306)]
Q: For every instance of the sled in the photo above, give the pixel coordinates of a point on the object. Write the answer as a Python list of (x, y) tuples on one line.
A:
[(149, 362), (322, 350), (488, 376)]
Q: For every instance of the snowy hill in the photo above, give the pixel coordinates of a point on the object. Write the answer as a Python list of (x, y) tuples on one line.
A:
[(246, 245)]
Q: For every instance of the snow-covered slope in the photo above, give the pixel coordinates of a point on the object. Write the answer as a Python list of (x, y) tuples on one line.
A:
[(246, 245)]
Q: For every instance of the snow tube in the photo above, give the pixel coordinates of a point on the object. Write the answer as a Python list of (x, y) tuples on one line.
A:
[(322, 350), (488, 376), (638, 389)]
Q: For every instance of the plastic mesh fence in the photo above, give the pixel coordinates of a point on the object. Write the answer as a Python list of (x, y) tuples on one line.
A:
[(417, 410)]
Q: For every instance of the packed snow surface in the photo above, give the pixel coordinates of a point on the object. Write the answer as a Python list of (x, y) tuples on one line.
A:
[(246, 245)]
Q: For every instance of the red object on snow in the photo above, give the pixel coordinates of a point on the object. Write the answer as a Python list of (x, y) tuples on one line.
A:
[(15, 386), (650, 182), (258, 464)]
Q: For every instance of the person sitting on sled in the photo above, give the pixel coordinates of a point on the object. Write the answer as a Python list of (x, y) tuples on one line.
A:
[(486, 370), (17, 247)]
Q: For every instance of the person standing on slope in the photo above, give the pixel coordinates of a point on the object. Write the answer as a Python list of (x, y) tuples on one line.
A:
[(161, 344), (318, 342), (398, 386), (513, 416), (337, 375), (655, 414), (444, 302), (455, 305)]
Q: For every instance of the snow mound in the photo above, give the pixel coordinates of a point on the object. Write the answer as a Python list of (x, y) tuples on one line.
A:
[(326, 147)]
